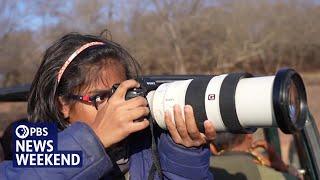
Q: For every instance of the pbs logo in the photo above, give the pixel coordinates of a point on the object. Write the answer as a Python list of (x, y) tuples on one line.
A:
[(22, 131)]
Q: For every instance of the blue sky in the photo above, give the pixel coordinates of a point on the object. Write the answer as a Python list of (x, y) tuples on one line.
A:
[(32, 21)]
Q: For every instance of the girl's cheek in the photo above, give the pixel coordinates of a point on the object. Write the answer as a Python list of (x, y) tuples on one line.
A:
[(84, 114)]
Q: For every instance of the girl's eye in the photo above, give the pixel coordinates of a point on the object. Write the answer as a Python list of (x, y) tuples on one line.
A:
[(102, 97), (98, 99)]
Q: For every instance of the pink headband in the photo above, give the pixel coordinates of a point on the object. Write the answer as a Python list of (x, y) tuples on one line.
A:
[(73, 55)]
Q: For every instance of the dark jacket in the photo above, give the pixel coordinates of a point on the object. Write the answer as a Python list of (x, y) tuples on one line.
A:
[(177, 162)]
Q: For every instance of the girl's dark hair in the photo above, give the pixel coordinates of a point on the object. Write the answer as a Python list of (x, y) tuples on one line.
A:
[(43, 103)]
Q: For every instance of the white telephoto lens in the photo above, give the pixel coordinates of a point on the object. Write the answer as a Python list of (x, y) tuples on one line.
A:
[(165, 97), (236, 102), (212, 102)]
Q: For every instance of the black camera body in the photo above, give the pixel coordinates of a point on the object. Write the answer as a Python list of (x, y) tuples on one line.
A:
[(132, 93)]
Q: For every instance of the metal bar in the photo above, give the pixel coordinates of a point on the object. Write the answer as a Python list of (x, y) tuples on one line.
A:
[(14, 94)]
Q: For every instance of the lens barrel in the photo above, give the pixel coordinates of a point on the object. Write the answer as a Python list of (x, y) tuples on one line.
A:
[(235, 102)]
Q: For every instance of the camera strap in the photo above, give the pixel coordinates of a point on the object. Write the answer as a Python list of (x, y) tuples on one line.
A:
[(156, 166)]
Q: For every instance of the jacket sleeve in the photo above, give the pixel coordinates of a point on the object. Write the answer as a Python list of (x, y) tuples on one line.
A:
[(79, 137), (177, 162)]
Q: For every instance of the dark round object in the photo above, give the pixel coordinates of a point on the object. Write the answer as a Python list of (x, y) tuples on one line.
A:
[(289, 101)]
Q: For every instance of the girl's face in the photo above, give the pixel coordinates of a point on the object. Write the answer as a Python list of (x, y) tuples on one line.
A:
[(112, 74)]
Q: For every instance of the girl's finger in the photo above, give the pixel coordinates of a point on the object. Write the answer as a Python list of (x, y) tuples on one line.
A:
[(191, 123), (138, 125), (172, 128), (180, 124), (135, 102), (210, 131), (137, 113), (123, 88)]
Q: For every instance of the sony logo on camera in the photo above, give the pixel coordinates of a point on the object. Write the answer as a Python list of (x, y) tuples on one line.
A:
[(35, 145)]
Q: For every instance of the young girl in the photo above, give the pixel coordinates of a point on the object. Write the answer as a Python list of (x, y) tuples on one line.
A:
[(72, 88)]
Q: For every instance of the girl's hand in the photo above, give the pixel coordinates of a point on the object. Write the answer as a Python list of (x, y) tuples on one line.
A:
[(117, 118), (185, 132)]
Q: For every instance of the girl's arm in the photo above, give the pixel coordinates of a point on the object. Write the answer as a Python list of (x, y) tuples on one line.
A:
[(183, 154), (178, 162)]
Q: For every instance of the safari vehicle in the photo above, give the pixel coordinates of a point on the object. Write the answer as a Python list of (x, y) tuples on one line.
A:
[(306, 142)]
